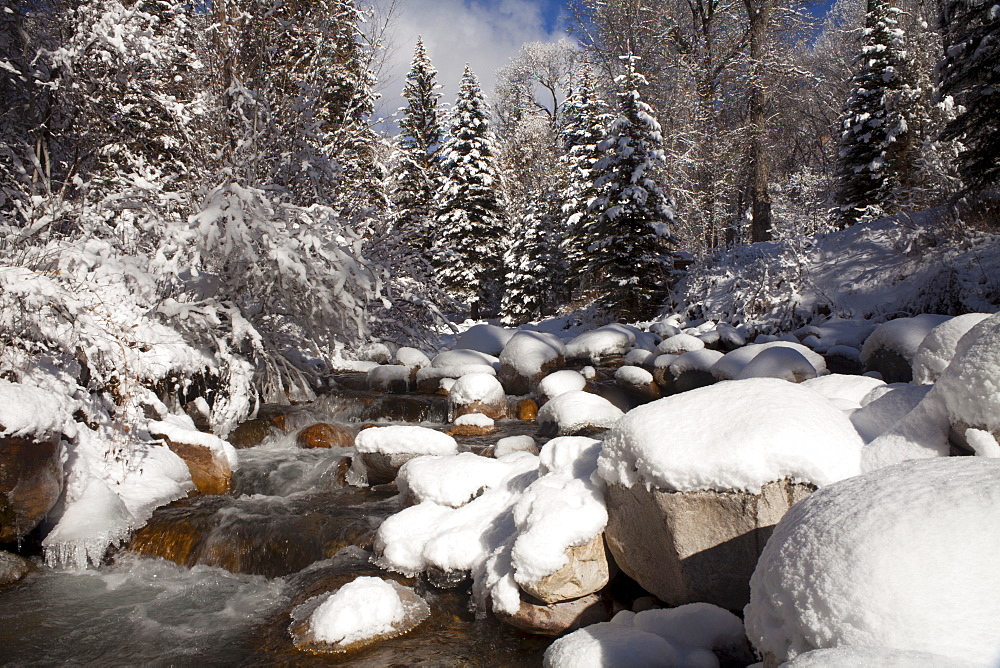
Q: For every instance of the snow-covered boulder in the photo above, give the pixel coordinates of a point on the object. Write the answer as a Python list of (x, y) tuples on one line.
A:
[(527, 358), (394, 378), (437, 379), (510, 444), (574, 411), (847, 391), (696, 482), (894, 558), (781, 362), (461, 357), (477, 393), (361, 612), (641, 357), (638, 383), (893, 345), (560, 382), (680, 344), (686, 372), (484, 338), (732, 364), (450, 480), (210, 460), (883, 657), (937, 349), (383, 450), (472, 424), (689, 635), (881, 411), (412, 358), (597, 344)]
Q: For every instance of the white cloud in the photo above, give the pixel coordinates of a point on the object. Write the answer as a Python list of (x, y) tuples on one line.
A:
[(484, 34)]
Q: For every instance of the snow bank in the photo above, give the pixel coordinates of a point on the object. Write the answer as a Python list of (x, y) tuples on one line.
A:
[(561, 382), (473, 387), (574, 410), (971, 383), (736, 435), (563, 508), (902, 335), (732, 364), (449, 480), (851, 390), (897, 558), (682, 636), (27, 411), (602, 342), (527, 352), (488, 339), (405, 439), (365, 609), (833, 332), (937, 349)]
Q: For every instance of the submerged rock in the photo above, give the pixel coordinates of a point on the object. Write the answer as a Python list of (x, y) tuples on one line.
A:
[(325, 435), (557, 618), (13, 568)]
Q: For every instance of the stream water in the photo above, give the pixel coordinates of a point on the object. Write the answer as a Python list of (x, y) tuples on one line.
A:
[(213, 579)]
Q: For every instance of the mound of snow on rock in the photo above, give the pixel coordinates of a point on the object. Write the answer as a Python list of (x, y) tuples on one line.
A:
[(736, 435), (937, 349), (575, 410), (897, 558), (405, 439)]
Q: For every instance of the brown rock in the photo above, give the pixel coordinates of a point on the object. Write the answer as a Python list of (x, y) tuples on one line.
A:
[(31, 480), (685, 547), (382, 468), (959, 440), (325, 435), (471, 430), (210, 471), (497, 411), (586, 572), (251, 433), (527, 409), (13, 568), (557, 618)]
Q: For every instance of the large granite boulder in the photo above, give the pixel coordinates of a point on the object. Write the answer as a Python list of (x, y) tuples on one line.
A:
[(586, 572), (557, 618)]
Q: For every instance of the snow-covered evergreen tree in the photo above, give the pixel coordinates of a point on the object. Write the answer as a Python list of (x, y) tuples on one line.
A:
[(470, 220), (532, 268), (875, 141), (585, 121), (632, 217), (970, 73), (416, 172)]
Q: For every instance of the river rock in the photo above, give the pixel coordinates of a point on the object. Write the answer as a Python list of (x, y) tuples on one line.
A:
[(31, 480), (13, 568), (472, 424), (637, 382), (477, 393), (586, 572), (526, 409), (392, 378), (686, 547), (251, 433), (557, 618), (210, 470), (527, 358), (325, 435)]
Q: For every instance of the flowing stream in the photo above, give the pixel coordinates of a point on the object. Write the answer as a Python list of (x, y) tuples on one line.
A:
[(213, 579)]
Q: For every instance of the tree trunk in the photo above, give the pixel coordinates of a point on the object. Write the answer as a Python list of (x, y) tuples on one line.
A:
[(759, 15)]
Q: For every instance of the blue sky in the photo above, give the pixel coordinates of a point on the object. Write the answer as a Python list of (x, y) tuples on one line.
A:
[(484, 33)]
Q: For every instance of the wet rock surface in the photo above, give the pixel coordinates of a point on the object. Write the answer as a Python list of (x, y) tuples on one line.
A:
[(31, 480)]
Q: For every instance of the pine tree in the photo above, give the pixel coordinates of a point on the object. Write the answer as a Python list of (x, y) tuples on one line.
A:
[(875, 142), (468, 254), (970, 73), (586, 118), (532, 274), (633, 218), (417, 168)]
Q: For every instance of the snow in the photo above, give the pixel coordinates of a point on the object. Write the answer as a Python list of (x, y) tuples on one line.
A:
[(384, 376), (938, 348), (778, 362), (561, 382), (602, 342), (527, 352), (633, 375), (851, 390), (452, 480), (181, 429), (462, 358), (833, 332), (682, 636), (970, 385), (27, 411), (877, 416), (473, 387), (680, 344), (736, 435), (574, 410), (488, 339), (895, 558), (364, 609), (406, 439), (640, 357), (510, 444), (563, 508), (696, 360), (453, 372), (983, 443), (732, 363), (474, 420), (412, 358), (883, 657), (902, 335)]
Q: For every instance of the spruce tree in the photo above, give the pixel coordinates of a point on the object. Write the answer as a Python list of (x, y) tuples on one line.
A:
[(468, 254), (633, 218), (970, 73), (417, 170), (531, 263), (586, 117), (875, 142)]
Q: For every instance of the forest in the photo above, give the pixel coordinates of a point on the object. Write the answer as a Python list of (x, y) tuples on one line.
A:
[(205, 214)]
